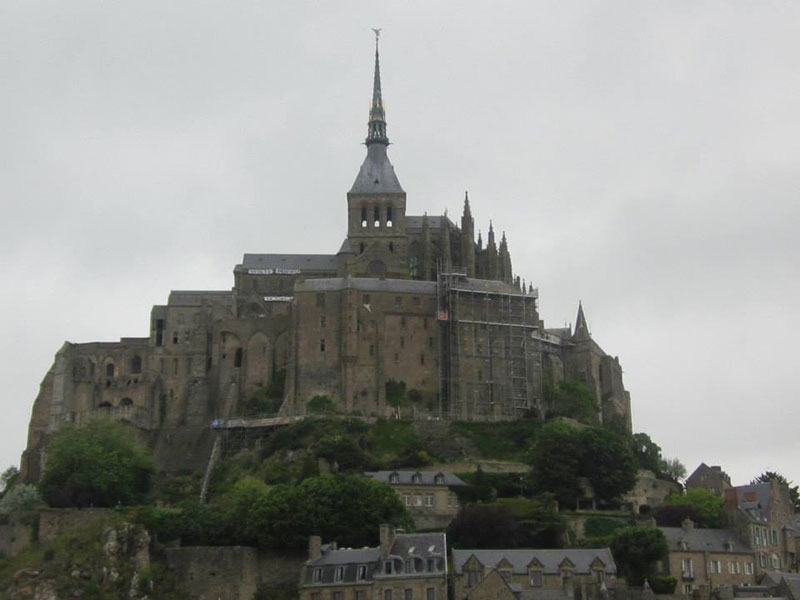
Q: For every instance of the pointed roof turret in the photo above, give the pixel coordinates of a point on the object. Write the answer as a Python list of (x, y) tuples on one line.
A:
[(490, 240), (467, 211), (581, 328), (377, 173)]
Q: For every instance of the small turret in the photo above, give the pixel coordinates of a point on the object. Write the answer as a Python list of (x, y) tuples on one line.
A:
[(581, 332), (468, 238)]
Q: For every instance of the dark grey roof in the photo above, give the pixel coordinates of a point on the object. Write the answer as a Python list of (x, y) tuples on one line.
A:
[(347, 556), (426, 477), (300, 262), (422, 545), (562, 332), (367, 284), (754, 499), (771, 579), (376, 175), (700, 539), (199, 298), (550, 559), (414, 222)]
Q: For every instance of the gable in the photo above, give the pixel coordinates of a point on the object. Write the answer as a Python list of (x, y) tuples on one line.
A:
[(566, 564), (492, 587), (504, 565)]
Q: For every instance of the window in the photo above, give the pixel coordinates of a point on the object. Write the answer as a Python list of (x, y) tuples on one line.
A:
[(387, 567), (410, 566), (715, 566), (174, 366), (389, 221), (762, 560), (398, 301), (402, 341), (536, 578), (599, 575), (418, 500), (363, 216), (394, 478), (361, 245), (429, 500), (320, 300), (365, 299), (422, 359), (174, 337), (425, 323), (338, 574), (391, 244), (237, 358), (362, 572), (337, 595), (359, 595), (431, 565), (322, 321), (687, 567), (110, 370), (159, 332), (452, 500), (415, 300), (774, 535), (430, 593), (376, 213), (371, 350), (407, 499), (322, 345), (687, 589), (430, 342), (748, 568), (136, 365), (403, 322), (316, 575), (505, 574), (387, 594), (776, 561), (473, 578), (733, 567), (416, 478), (314, 595), (439, 479)]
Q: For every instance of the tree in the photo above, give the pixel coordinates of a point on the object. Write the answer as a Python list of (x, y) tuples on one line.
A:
[(100, 464), (19, 498), (636, 551), (8, 478), (794, 493), (646, 452), (485, 526), (707, 508), (557, 459), (571, 399), (607, 461), (673, 469)]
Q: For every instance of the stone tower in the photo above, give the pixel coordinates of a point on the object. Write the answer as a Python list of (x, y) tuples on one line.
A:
[(376, 204)]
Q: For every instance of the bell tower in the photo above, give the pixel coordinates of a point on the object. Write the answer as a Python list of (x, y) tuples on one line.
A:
[(376, 204)]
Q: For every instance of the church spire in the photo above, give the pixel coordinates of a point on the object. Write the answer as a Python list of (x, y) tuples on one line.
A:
[(376, 132), (581, 328)]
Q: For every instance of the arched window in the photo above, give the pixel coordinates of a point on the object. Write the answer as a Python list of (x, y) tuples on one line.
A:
[(126, 402), (389, 221), (136, 364), (105, 404), (376, 214), (110, 370), (363, 216), (361, 246), (237, 359)]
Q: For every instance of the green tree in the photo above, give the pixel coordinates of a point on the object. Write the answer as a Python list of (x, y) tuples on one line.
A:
[(607, 461), (21, 497), (100, 464), (320, 405), (557, 457), (571, 399), (707, 506), (396, 394), (673, 469), (8, 478), (794, 493), (485, 526), (636, 551), (646, 452)]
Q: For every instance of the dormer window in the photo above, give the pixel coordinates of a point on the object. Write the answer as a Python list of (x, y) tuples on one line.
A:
[(439, 479), (683, 545), (387, 567), (431, 565), (416, 478), (410, 566), (338, 574), (361, 575), (536, 578), (316, 575), (394, 478)]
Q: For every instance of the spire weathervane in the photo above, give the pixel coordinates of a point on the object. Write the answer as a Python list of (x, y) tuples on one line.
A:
[(376, 132)]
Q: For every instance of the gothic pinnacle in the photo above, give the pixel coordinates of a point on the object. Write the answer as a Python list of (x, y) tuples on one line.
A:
[(376, 131)]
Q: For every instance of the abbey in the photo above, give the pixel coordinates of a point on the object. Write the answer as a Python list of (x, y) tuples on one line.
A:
[(410, 308)]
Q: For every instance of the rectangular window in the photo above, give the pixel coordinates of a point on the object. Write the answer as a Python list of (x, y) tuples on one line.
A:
[(431, 565), (505, 574), (406, 499), (425, 323), (403, 322), (774, 537), (398, 301), (473, 578), (452, 500), (762, 560), (415, 300), (536, 578), (430, 593), (429, 500), (430, 342), (422, 359), (362, 573), (365, 300), (321, 300), (408, 594), (337, 595), (322, 345), (387, 567), (748, 568), (174, 366), (174, 337), (687, 589), (338, 574), (687, 568), (314, 595), (715, 566), (359, 595), (316, 576), (418, 500), (322, 321), (159, 332), (387, 594), (371, 350)]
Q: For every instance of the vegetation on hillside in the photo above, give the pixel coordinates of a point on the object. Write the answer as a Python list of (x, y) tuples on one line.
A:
[(705, 508)]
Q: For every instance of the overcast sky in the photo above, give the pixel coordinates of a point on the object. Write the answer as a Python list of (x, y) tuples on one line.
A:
[(643, 157)]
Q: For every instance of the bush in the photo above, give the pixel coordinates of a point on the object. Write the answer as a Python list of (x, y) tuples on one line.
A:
[(636, 551), (662, 584), (100, 464), (706, 508), (320, 405), (19, 498)]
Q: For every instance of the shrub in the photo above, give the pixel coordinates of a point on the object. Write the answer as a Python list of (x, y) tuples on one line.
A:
[(319, 405), (662, 584), (19, 498)]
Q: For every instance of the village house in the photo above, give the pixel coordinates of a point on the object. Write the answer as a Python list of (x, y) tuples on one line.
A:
[(429, 496)]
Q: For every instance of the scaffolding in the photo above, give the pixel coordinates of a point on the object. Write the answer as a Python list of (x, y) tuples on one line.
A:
[(487, 348)]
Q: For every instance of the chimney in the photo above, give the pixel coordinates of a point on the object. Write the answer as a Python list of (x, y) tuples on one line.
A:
[(387, 538), (314, 547), (687, 524)]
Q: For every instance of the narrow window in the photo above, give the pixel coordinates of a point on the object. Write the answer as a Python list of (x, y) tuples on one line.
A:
[(425, 323), (407, 499), (362, 572), (387, 568), (410, 565), (430, 593), (422, 359), (402, 341), (389, 220), (391, 245), (536, 578), (429, 500), (415, 300), (418, 500), (408, 594), (403, 322), (363, 217), (136, 365), (320, 300), (430, 342), (398, 301), (387, 593), (317, 575), (322, 321), (338, 574), (110, 370), (371, 350), (361, 247), (359, 595), (365, 299), (376, 217), (322, 345), (159, 332), (174, 337)]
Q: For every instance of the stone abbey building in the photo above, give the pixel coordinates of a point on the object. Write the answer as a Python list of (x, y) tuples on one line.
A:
[(406, 298)]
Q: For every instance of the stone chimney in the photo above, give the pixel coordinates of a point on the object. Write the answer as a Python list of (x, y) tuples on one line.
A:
[(387, 538), (314, 547), (687, 524)]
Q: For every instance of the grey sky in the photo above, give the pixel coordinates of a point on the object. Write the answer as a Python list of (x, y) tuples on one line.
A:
[(643, 157)]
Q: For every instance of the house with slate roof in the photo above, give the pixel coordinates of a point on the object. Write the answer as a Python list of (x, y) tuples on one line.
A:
[(405, 566), (763, 513), (532, 574), (429, 496), (708, 558)]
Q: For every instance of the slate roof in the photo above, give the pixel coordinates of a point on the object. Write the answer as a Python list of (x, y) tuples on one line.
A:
[(754, 499), (367, 284), (405, 545), (199, 298), (700, 539), (301, 262), (376, 175), (414, 222), (426, 477), (487, 285), (550, 559), (773, 578)]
